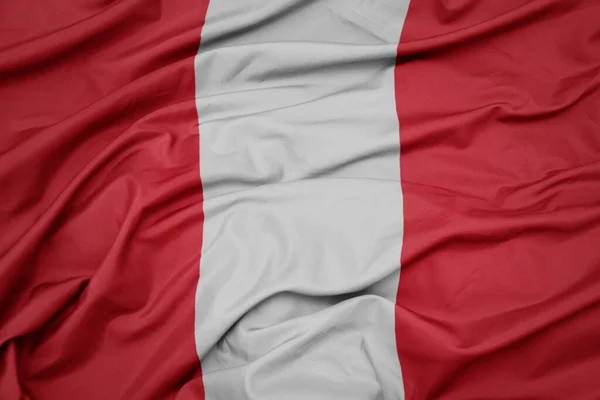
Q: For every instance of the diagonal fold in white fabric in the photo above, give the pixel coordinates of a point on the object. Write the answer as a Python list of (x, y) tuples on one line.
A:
[(299, 159)]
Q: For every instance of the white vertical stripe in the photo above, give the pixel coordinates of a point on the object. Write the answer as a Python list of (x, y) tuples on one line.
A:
[(299, 155)]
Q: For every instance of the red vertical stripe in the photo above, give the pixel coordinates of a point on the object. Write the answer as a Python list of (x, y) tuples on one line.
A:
[(101, 202), (500, 159)]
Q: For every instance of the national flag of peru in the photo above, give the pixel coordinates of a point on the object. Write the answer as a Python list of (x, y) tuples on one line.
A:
[(300, 199)]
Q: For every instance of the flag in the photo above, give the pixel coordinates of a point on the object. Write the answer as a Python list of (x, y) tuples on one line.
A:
[(323, 199)]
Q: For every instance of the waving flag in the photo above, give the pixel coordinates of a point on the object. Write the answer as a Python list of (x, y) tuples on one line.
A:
[(300, 199)]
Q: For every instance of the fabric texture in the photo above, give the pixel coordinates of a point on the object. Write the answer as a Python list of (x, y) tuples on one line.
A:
[(299, 199)]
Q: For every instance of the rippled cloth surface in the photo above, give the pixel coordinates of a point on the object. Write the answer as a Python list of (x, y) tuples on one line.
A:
[(330, 199)]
